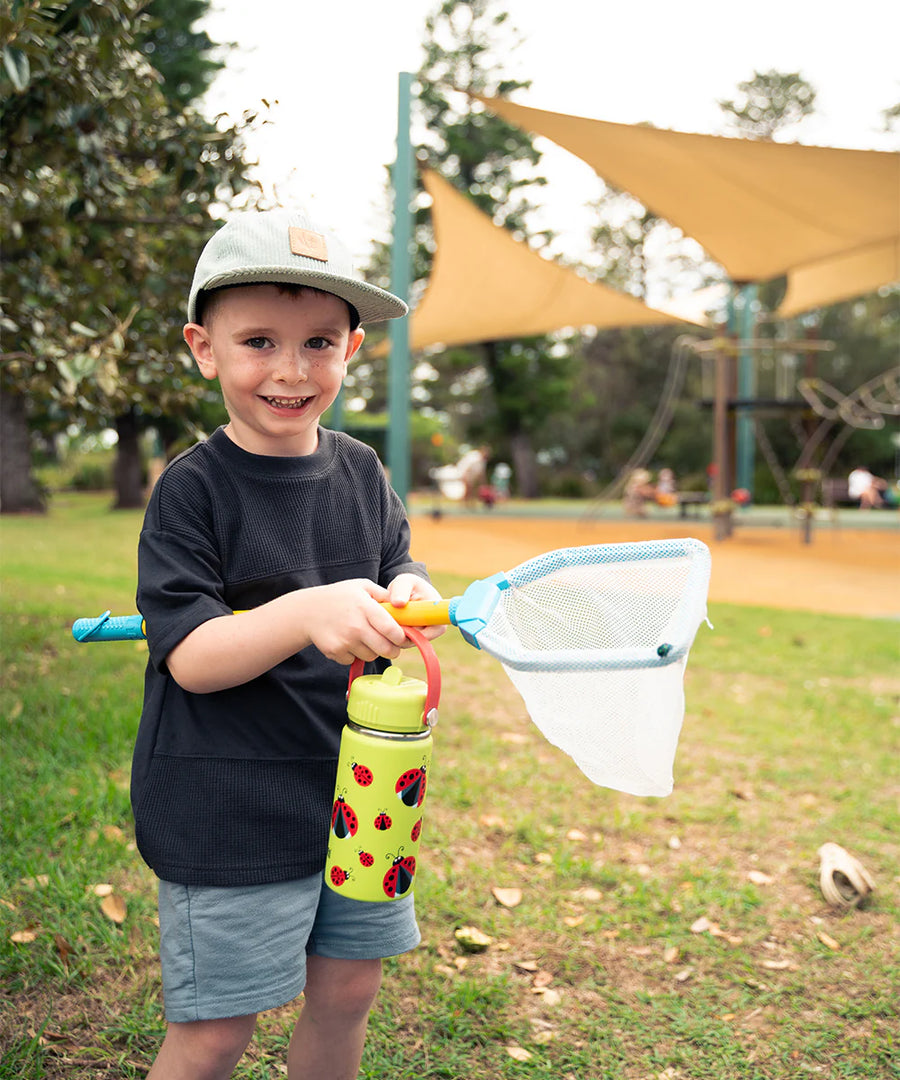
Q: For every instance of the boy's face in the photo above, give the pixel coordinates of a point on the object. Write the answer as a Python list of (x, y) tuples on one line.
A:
[(280, 361)]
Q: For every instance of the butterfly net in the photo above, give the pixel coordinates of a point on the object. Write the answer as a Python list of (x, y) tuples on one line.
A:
[(596, 640)]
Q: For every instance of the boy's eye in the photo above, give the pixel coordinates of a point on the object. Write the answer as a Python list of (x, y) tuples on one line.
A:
[(318, 343), (257, 342)]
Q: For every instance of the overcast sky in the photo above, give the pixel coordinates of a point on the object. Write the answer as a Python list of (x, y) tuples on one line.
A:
[(333, 69)]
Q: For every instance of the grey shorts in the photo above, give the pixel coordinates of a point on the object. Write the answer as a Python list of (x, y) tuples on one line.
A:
[(241, 950)]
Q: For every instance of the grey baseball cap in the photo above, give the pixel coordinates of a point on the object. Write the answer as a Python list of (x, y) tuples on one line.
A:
[(286, 246)]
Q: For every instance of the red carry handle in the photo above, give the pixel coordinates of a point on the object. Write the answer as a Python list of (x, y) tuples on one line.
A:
[(432, 673)]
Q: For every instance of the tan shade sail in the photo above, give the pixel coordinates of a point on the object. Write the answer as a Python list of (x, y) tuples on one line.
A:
[(841, 278), (487, 286), (761, 209)]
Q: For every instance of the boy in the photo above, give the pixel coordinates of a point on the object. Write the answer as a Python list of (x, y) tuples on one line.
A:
[(296, 528)]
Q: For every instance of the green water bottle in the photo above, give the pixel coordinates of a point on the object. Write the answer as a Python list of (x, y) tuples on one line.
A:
[(382, 779)]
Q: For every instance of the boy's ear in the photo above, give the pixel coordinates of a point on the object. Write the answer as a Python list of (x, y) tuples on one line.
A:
[(357, 337), (198, 342)]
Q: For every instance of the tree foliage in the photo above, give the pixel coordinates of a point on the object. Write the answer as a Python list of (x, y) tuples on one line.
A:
[(108, 184), (768, 103), (504, 392)]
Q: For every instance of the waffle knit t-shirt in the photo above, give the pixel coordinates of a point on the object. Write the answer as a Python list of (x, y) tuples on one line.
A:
[(235, 787)]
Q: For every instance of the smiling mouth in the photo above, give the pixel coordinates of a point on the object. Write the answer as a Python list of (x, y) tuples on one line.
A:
[(286, 403)]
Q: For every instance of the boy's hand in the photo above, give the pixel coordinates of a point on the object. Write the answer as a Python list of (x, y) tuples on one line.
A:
[(347, 621), (406, 587)]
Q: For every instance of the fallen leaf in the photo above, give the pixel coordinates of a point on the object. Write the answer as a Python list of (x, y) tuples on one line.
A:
[(113, 907), (515, 737), (576, 834), (472, 939), (701, 925), (828, 940), (684, 975), (113, 832), (674, 843), (777, 965), (542, 978), (549, 996), (64, 949), (460, 962), (518, 1053), (587, 893), (39, 882), (527, 965), (573, 920), (509, 898), (23, 937), (543, 857), (103, 888), (671, 954), (492, 821), (759, 878)]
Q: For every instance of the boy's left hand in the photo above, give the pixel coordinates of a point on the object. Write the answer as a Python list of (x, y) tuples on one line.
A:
[(406, 587)]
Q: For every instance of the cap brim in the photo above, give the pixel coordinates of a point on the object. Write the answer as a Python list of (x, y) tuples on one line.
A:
[(372, 304)]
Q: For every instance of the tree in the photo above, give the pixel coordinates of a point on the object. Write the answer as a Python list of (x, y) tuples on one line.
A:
[(108, 190), (497, 392), (770, 102)]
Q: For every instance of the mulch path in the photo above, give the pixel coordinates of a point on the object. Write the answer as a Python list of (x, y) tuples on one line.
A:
[(843, 571)]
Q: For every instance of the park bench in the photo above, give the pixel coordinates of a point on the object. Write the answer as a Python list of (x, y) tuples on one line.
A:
[(836, 493), (690, 502)]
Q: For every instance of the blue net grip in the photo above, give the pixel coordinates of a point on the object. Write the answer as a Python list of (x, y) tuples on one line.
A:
[(109, 628)]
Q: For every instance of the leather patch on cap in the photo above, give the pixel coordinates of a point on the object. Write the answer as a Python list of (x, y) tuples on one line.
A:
[(308, 243)]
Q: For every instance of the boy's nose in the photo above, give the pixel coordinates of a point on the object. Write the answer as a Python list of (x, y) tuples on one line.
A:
[(291, 369)]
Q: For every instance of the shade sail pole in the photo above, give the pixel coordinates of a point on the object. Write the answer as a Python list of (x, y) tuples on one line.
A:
[(398, 449), (745, 455)]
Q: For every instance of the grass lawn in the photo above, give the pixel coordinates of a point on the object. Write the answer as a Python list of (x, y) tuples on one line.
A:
[(673, 939)]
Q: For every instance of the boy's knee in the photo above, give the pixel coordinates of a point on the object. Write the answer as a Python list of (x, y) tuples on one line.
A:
[(342, 987), (209, 1047)]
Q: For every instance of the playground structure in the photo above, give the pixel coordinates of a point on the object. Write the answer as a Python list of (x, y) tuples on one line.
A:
[(815, 410)]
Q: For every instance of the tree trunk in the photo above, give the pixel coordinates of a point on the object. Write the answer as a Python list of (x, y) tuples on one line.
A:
[(524, 465), (127, 472), (19, 492)]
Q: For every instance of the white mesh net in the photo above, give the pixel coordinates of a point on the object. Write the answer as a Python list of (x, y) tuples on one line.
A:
[(596, 640)]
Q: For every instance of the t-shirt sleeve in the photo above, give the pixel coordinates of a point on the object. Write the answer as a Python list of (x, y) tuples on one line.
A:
[(179, 571)]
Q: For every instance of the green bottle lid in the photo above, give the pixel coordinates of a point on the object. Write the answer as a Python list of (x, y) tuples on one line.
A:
[(388, 702)]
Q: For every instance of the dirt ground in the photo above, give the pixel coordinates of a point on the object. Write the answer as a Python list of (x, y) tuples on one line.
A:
[(843, 571)]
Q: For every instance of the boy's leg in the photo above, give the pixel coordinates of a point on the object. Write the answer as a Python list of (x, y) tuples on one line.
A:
[(203, 1049), (327, 1043)]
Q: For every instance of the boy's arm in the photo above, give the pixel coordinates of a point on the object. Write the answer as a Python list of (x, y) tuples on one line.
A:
[(345, 621)]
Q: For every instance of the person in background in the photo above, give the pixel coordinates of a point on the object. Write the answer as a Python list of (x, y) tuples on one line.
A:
[(862, 485)]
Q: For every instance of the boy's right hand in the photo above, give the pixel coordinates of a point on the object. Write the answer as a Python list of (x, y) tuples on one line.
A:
[(346, 622)]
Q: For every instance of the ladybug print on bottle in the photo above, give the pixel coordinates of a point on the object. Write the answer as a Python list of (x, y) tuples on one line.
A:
[(398, 880), (366, 858), (410, 787), (362, 774), (416, 831), (339, 876), (383, 822), (344, 821)]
